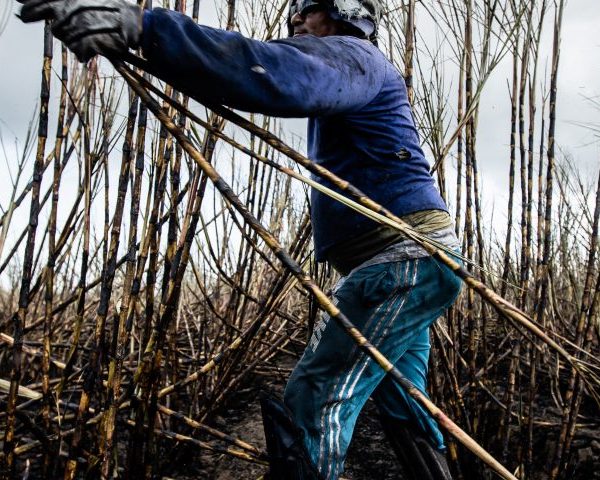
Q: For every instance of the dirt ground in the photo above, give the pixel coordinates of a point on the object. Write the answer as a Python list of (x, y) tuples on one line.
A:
[(369, 458)]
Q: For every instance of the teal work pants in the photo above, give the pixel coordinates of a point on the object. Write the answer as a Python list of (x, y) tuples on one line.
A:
[(393, 305)]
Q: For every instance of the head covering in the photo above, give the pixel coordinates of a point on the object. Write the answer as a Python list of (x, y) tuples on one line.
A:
[(361, 15)]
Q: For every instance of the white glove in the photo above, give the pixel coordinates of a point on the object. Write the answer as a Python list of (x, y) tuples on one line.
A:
[(89, 27)]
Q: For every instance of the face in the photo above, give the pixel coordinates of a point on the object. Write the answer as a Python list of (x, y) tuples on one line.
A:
[(313, 21)]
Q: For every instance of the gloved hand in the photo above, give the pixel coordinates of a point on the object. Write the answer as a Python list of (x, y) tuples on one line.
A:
[(89, 27)]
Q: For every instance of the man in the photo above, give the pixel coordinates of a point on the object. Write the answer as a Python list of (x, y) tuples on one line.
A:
[(361, 128)]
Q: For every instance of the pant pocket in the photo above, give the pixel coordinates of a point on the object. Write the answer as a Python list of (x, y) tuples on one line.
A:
[(378, 287), (371, 286)]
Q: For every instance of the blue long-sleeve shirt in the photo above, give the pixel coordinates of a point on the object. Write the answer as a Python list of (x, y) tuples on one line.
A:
[(360, 123)]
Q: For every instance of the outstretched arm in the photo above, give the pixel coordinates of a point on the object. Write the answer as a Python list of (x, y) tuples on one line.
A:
[(303, 76)]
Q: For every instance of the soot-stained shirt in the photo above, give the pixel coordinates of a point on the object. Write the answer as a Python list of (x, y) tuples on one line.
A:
[(360, 123)]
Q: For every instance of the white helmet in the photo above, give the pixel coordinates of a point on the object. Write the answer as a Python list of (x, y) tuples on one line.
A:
[(362, 16)]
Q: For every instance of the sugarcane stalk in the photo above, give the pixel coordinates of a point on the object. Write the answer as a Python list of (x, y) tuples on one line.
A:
[(51, 263), (118, 351), (511, 173), (472, 323), (105, 293), (461, 410), (151, 251), (211, 431), (83, 287), (206, 446), (409, 38), (7, 466), (525, 174), (528, 461), (573, 397), (558, 13)]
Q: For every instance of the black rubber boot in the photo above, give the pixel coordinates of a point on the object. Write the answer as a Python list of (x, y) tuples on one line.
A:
[(288, 458), (418, 458)]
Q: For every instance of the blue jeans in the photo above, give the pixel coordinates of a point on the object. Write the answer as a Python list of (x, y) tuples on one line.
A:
[(393, 305)]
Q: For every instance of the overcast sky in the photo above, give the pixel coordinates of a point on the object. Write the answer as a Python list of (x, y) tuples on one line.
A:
[(579, 77)]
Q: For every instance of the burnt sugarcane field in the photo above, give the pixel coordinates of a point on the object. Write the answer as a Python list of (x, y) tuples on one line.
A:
[(197, 282)]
